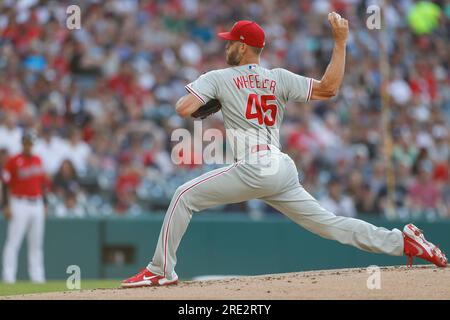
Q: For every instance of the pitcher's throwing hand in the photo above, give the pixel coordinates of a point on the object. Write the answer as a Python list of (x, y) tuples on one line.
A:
[(339, 26)]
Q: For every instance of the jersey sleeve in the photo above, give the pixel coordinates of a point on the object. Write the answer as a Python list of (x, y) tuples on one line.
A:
[(295, 87), (205, 87)]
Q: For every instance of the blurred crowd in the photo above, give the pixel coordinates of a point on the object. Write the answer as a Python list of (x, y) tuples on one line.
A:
[(102, 100)]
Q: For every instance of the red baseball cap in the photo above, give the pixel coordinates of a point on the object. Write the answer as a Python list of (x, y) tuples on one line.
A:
[(248, 32)]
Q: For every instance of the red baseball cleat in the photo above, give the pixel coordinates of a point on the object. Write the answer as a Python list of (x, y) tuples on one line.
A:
[(146, 278), (415, 245)]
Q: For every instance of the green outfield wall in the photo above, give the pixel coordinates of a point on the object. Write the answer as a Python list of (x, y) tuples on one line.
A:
[(227, 244)]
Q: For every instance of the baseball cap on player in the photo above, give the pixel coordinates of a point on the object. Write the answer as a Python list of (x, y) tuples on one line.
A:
[(248, 32)]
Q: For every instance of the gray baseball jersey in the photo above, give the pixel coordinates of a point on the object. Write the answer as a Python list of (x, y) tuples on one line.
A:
[(253, 101)]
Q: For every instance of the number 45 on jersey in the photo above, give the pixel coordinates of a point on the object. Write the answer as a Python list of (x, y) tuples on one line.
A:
[(261, 108)]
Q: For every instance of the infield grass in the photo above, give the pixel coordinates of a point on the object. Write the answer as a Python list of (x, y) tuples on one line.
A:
[(24, 287)]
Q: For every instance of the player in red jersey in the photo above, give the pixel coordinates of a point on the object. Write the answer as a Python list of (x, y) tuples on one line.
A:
[(23, 206)]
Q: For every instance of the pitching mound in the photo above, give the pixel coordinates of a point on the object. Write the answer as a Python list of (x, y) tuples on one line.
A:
[(420, 282)]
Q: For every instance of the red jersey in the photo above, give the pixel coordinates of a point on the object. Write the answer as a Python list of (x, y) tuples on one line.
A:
[(24, 175)]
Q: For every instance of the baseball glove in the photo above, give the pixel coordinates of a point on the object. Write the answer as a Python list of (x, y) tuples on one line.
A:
[(212, 106)]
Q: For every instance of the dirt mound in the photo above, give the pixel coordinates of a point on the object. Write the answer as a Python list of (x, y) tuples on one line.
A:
[(419, 282)]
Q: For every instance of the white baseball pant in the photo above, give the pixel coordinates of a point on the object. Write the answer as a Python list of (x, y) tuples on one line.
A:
[(27, 217)]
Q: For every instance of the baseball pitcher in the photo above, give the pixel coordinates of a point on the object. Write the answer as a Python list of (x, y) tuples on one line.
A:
[(252, 100)]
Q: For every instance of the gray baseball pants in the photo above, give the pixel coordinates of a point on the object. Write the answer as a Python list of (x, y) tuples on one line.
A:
[(270, 176)]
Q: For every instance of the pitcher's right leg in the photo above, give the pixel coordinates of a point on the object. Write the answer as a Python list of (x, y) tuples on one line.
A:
[(220, 186)]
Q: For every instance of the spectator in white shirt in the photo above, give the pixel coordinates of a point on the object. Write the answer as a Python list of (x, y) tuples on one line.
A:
[(10, 133), (336, 202), (71, 207), (52, 149), (79, 151)]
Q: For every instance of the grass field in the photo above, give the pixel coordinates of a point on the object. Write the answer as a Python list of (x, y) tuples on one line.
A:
[(23, 287)]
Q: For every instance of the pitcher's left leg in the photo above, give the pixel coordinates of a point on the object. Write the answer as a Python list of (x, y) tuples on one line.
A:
[(302, 208)]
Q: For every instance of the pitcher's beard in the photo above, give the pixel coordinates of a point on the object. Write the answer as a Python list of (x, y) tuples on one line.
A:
[(233, 58)]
